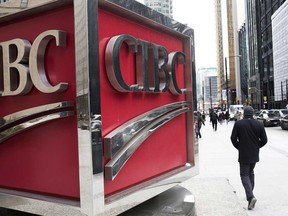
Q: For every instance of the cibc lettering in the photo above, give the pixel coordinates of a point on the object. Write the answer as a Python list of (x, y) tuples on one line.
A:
[(23, 64), (155, 68)]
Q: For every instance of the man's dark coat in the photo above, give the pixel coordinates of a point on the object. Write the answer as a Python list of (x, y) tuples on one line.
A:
[(248, 136)]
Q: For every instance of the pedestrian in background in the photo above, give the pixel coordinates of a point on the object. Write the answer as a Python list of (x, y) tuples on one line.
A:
[(240, 115), (220, 117), (214, 120), (203, 116), (248, 136), (227, 116), (237, 115), (198, 126)]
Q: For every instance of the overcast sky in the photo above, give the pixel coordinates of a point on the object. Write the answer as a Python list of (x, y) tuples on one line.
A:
[(200, 16)]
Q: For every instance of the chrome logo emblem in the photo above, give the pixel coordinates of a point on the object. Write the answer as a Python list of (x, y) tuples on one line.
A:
[(18, 122), (122, 142)]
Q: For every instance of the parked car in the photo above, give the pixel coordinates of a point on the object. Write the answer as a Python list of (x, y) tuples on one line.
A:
[(281, 112), (264, 111), (233, 110), (284, 122), (269, 118), (284, 112), (258, 112)]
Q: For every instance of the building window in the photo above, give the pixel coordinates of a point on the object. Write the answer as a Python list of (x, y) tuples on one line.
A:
[(24, 4)]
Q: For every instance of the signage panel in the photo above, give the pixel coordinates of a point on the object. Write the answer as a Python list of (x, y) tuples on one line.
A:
[(43, 159), (166, 148), (96, 104)]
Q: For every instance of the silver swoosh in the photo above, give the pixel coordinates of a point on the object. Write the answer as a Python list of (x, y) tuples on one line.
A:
[(119, 159), (17, 122), (114, 141)]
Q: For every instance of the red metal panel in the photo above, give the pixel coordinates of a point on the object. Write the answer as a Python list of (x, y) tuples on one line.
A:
[(44, 159), (164, 150)]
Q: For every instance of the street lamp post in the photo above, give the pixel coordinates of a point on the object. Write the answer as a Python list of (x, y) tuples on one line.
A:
[(210, 92), (281, 91), (227, 103), (286, 90)]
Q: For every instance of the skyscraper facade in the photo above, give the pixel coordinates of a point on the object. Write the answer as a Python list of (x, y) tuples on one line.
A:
[(254, 53), (229, 84), (231, 45), (207, 88), (162, 6), (13, 6), (261, 68), (221, 84), (280, 54), (233, 57), (243, 62)]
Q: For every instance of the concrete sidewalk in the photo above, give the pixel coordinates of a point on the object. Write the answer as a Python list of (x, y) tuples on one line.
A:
[(219, 159), (214, 197), (218, 167), (213, 191)]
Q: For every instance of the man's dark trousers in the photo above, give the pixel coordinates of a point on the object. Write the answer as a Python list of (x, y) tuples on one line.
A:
[(214, 124), (247, 178)]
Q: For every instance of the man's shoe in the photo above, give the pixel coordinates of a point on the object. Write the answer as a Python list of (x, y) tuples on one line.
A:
[(252, 203)]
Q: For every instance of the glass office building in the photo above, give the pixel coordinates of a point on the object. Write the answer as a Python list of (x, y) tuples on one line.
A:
[(243, 63), (280, 54), (206, 88), (163, 6), (260, 52)]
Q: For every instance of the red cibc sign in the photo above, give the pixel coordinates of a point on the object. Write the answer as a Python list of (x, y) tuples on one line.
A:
[(96, 104)]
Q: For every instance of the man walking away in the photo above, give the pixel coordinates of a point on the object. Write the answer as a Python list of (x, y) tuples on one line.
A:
[(248, 136)]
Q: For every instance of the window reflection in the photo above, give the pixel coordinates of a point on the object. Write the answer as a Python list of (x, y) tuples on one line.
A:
[(8, 7)]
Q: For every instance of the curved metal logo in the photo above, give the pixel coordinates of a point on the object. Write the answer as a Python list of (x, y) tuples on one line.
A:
[(162, 67), (122, 142), (18, 122)]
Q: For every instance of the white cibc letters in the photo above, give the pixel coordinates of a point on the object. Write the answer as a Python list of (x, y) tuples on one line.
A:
[(23, 64)]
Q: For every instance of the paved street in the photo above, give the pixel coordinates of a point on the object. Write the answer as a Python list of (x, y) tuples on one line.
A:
[(218, 158)]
